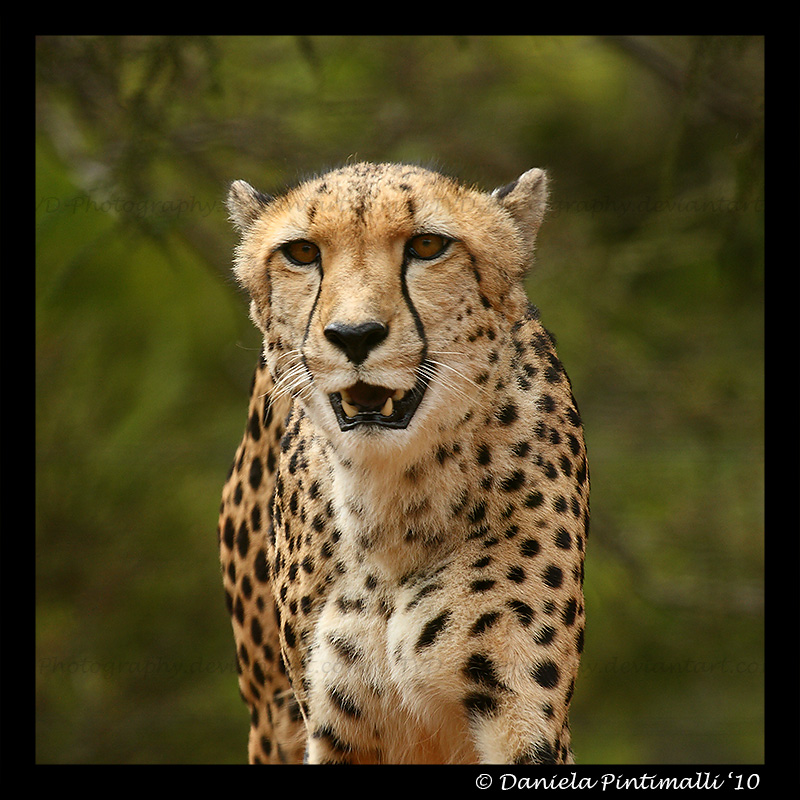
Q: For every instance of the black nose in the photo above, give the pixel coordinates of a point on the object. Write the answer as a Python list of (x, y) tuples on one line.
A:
[(356, 341)]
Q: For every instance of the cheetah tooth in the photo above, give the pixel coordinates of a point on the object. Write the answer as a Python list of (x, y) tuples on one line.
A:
[(399, 394), (350, 410), (388, 408)]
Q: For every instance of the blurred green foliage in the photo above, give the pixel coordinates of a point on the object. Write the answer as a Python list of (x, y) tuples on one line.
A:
[(650, 274)]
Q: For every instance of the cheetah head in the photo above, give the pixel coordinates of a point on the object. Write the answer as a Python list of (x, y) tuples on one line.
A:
[(381, 291)]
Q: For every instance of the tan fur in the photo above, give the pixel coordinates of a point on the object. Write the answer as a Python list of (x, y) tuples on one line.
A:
[(404, 595)]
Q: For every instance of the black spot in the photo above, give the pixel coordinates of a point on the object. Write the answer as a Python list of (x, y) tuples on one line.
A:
[(432, 629), (318, 523), (546, 404), (326, 551), (574, 445), (478, 512), (243, 539), (507, 414), (254, 427), (553, 576), (429, 588), (541, 752), (484, 622), (533, 500), (570, 610), (260, 567), (348, 651), (480, 669), (460, 503), (344, 703), (563, 539), (255, 631), (288, 634), (267, 418), (545, 635), (481, 586), (560, 504), (546, 674), (228, 533), (346, 605), (523, 611), (529, 548), (328, 735), (255, 473), (513, 482), (484, 455), (521, 449), (552, 375), (480, 704), (516, 574)]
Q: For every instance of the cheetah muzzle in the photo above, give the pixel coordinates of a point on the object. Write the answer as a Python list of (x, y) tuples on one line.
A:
[(403, 527)]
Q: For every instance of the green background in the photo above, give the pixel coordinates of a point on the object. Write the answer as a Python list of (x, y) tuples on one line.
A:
[(650, 274)]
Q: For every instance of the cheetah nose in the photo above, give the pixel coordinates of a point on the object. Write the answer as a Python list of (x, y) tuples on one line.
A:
[(356, 341)]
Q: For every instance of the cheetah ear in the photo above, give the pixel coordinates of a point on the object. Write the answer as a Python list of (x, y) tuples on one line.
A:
[(245, 204), (526, 200)]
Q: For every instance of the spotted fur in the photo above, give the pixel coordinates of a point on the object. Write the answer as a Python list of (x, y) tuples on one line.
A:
[(403, 528)]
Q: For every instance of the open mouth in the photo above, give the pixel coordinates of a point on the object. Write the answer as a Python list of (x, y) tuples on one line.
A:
[(366, 404)]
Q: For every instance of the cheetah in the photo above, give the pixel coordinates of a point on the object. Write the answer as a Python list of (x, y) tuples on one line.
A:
[(403, 526)]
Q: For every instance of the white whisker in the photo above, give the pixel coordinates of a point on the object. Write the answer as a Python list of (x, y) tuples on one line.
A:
[(431, 375), (294, 381), (449, 380)]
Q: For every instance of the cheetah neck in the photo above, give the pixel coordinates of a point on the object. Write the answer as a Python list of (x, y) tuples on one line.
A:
[(397, 515)]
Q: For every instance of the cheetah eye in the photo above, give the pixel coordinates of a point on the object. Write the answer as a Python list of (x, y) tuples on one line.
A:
[(301, 252), (427, 246)]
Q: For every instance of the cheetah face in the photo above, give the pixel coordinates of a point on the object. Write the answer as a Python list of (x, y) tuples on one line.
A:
[(381, 289)]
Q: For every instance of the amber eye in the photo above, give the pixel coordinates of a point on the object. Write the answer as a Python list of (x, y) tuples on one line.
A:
[(301, 252), (427, 245)]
